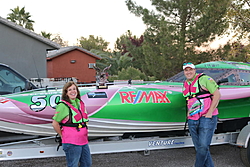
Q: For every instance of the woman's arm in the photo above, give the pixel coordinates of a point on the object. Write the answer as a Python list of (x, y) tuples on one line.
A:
[(57, 127)]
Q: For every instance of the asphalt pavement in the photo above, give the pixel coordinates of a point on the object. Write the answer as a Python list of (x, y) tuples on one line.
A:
[(223, 156)]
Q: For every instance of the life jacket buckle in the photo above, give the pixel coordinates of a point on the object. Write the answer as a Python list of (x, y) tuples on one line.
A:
[(79, 125)]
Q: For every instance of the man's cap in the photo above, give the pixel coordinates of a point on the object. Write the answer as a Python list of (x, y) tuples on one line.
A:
[(191, 65)]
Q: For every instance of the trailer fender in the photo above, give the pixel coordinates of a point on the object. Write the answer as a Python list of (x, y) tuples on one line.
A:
[(243, 137)]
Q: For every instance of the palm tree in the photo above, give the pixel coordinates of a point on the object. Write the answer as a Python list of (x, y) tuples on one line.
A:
[(116, 59), (21, 18), (46, 35)]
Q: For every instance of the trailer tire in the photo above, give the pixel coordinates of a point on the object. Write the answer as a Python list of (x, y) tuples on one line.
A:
[(245, 155)]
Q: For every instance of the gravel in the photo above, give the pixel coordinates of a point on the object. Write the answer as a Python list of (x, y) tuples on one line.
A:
[(223, 156)]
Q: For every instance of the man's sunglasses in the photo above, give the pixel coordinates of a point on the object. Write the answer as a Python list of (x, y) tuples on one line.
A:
[(186, 63)]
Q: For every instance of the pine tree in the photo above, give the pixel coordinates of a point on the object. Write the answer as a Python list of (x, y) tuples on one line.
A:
[(175, 28)]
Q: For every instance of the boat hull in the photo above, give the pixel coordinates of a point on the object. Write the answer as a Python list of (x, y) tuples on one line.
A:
[(117, 110)]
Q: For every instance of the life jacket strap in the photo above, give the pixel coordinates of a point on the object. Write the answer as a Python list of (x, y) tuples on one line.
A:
[(76, 125), (197, 96)]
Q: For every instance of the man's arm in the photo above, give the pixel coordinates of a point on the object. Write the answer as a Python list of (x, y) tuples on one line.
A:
[(214, 104)]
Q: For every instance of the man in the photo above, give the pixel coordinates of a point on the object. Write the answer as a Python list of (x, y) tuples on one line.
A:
[(202, 96)]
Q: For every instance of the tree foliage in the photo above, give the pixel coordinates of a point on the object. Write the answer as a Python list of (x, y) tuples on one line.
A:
[(122, 42), (132, 44), (239, 52), (175, 28), (131, 73), (20, 17), (238, 15), (93, 42), (46, 35), (55, 38), (58, 39), (116, 59)]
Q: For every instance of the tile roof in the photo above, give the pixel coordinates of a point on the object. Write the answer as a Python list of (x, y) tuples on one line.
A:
[(29, 32), (54, 53)]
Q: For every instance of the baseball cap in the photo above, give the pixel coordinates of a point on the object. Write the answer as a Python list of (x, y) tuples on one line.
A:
[(191, 65)]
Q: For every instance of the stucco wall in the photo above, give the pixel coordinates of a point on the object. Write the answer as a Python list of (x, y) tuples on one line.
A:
[(25, 54)]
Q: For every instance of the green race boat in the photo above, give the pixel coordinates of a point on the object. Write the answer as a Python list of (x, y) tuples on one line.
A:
[(125, 109)]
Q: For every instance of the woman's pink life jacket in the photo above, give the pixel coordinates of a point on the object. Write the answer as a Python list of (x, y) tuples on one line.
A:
[(74, 129)]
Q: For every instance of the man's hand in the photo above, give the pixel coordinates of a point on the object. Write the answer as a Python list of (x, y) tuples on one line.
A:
[(208, 115)]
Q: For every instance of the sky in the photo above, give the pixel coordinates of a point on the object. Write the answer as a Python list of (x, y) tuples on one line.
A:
[(73, 19)]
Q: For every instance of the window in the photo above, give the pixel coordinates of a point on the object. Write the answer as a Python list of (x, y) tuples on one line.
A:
[(91, 65), (214, 73), (10, 81), (244, 77), (231, 78)]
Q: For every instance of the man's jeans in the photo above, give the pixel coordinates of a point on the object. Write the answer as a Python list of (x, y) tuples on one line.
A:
[(76, 154), (202, 131)]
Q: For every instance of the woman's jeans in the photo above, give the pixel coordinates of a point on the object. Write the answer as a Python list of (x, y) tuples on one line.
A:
[(202, 131), (76, 154)]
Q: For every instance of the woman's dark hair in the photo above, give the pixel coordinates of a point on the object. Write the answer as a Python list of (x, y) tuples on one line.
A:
[(65, 91)]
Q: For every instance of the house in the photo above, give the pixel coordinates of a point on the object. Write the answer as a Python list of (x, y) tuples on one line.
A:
[(24, 50), (72, 61)]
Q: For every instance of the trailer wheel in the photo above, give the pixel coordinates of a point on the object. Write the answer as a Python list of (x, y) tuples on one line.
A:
[(245, 155)]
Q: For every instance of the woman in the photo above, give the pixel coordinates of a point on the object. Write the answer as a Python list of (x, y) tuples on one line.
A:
[(69, 122)]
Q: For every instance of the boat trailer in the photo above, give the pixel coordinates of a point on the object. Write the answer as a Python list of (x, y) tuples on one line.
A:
[(47, 147)]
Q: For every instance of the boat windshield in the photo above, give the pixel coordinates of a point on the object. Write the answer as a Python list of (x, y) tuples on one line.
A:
[(214, 73)]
